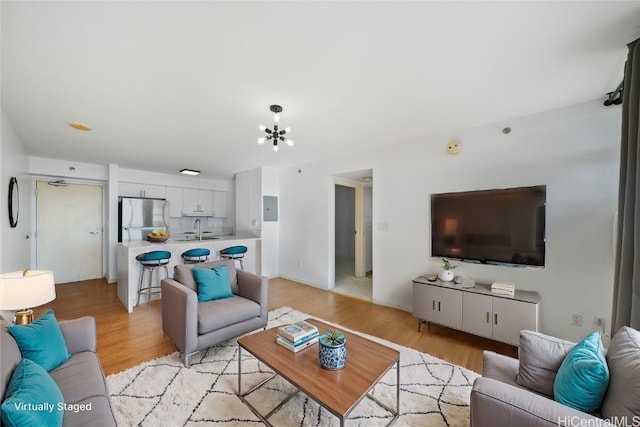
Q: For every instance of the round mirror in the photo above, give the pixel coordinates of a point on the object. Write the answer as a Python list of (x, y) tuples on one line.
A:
[(14, 201)]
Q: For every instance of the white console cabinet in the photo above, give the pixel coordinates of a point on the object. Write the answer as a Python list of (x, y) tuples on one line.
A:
[(438, 305), (475, 310)]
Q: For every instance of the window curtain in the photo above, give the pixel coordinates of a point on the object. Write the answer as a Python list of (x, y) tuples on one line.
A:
[(626, 290)]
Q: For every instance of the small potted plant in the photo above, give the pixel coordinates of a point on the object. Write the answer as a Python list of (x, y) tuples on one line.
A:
[(332, 350), (446, 274)]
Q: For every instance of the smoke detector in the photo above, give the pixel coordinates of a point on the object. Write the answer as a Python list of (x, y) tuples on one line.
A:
[(453, 147)]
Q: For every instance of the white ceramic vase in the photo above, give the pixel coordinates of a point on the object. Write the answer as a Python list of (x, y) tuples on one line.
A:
[(446, 275)]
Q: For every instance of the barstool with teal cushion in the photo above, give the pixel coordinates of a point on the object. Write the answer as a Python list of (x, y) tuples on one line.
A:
[(234, 253), (196, 255), (151, 261)]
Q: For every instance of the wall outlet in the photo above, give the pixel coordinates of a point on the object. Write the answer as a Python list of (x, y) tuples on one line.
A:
[(598, 325), (576, 319), (453, 147)]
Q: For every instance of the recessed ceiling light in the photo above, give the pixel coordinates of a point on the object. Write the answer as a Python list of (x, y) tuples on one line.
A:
[(189, 172), (80, 126)]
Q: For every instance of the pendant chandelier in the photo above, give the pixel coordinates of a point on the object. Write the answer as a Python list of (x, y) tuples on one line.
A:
[(276, 135)]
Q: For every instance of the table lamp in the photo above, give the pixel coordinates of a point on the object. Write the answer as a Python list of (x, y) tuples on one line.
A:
[(27, 288)]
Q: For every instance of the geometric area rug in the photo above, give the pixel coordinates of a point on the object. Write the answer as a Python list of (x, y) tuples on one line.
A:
[(162, 392)]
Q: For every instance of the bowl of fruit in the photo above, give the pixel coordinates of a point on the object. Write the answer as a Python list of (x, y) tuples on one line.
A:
[(157, 236)]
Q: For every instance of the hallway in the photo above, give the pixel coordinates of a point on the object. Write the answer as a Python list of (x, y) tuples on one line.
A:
[(348, 284)]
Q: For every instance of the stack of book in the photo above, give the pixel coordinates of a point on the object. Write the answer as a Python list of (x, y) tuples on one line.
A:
[(297, 336), (503, 288)]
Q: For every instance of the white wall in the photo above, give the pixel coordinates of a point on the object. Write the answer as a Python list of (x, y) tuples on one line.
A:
[(574, 151), (14, 246)]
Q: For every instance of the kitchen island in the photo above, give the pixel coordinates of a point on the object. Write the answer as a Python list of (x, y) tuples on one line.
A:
[(129, 269)]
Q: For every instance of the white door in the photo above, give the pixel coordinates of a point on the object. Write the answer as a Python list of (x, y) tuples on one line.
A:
[(69, 231)]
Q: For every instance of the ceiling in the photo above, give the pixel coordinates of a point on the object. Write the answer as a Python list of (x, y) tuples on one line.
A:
[(172, 85)]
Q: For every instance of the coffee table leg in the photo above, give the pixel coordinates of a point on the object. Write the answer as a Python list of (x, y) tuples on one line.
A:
[(398, 388), (396, 412), (239, 371)]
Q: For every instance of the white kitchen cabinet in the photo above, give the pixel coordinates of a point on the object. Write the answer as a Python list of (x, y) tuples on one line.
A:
[(174, 196), (154, 191), (437, 305), (248, 200), (476, 310), (220, 204), (135, 189), (129, 189), (190, 201), (197, 200)]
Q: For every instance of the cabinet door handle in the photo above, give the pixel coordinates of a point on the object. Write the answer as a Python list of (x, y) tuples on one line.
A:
[(433, 305), (438, 305), (495, 318), (488, 321)]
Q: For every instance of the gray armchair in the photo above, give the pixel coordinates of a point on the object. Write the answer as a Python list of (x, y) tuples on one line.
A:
[(194, 326)]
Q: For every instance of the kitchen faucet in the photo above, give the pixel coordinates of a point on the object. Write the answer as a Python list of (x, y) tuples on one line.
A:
[(197, 224)]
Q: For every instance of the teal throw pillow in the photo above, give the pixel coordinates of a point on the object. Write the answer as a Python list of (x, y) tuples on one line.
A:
[(212, 283), (583, 377), (32, 398), (41, 341)]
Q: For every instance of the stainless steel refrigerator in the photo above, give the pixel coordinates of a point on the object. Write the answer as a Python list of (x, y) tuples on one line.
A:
[(137, 217)]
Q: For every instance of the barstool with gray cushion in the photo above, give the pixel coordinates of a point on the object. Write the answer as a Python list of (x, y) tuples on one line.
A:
[(234, 253), (151, 261), (196, 255)]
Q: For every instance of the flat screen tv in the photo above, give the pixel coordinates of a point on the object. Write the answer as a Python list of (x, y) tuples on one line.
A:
[(500, 226)]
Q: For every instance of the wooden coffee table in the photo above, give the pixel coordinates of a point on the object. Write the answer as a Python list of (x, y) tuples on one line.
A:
[(337, 391)]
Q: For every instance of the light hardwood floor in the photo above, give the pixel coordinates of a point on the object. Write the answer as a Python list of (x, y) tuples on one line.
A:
[(125, 340)]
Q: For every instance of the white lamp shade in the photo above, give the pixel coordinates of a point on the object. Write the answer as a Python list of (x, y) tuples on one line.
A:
[(20, 290)]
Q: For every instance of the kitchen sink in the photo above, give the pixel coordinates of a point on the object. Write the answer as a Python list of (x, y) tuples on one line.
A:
[(192, 237)]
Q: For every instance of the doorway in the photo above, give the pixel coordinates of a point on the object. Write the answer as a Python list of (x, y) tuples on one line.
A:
[(353, 239), (69, 220)]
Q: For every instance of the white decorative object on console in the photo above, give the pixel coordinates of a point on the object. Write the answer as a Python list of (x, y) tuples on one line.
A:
[(446, 274)]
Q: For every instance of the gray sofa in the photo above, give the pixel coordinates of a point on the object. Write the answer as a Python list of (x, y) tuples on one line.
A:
[(194, 326), (515, 392), (80, 378)]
